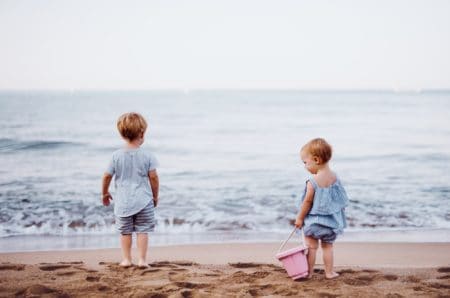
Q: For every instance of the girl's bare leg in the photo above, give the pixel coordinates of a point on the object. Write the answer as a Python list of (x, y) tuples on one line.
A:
[(125, 242), (142, 244), (327, 249), (312, 244)]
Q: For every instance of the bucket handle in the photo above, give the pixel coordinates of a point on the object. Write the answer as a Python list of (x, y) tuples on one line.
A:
[(292, 233)]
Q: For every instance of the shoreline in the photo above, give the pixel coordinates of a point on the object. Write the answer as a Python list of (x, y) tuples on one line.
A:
[(30, 243), (359, 254)]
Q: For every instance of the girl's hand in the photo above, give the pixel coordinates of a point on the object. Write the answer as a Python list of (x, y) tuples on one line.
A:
[(155, 202), (298, 223), (107, 198)]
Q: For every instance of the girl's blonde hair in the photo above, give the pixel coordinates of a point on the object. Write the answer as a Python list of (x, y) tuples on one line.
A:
[(131, 126), (318, 148)]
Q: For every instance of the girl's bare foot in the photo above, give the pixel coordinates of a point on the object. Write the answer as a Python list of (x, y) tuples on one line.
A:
[(331, 275), (125, 263), (142, 264)]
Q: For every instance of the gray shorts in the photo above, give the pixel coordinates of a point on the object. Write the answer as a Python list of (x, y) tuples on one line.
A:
[(323, 233), (141, 222)]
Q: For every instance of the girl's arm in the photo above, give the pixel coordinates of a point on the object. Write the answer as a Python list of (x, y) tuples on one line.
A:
[(306, 206), (106, 196), (154, 183)]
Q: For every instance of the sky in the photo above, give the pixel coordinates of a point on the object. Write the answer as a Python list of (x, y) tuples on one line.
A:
[(207, 44)]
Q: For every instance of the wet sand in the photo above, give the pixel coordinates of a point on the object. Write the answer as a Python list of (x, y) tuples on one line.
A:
[(229, 270)]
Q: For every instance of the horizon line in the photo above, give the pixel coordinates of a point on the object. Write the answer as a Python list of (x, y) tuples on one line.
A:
[(188, 90)]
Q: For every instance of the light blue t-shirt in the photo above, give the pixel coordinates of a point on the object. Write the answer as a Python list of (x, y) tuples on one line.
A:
[(328, 207), (130, 169)]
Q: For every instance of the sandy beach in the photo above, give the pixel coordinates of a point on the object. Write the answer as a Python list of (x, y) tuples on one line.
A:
[(228, 270)]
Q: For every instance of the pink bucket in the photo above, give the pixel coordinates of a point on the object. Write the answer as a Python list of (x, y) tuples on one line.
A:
[(294, 260)]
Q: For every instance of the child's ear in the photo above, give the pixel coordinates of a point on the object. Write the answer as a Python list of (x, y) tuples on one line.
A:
[(316, 160)]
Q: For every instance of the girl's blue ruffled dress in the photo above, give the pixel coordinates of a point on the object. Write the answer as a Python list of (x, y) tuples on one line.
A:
[(327, 213)]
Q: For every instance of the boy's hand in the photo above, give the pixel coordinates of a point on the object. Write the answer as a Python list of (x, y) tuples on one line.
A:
[(106, 198), (298, 223), (155, 201)]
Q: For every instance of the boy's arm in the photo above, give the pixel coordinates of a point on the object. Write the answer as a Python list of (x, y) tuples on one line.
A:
[(306, 206), (106, 196), (154, 183)]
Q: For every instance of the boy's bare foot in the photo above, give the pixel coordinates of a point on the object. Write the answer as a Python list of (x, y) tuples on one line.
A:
[(331, 275), (125, 263), (142, 264)]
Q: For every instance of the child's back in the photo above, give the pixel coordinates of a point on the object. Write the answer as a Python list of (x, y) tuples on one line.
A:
[(130, 167)]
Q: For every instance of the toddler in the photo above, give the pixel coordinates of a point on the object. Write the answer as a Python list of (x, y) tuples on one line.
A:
[(322, 210), (134, 171)]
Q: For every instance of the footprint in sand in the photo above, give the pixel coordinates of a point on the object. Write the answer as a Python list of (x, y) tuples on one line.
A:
[(390, 277), (394, 295), (419, 288), (254, 292), (444, 277), (190, 285), (242, 277), (259, 274), (413, 279), (53, 267), (184, 263), (212, 274), (117, 267), (108, 263), (102, 287), (72, 263), (345, 271), (245, 265), (162, 264), (9, 266), (112, 281), (156, 295), (281, 270), (282, 290), (187, 294), (92, 278), (370, 271), (66, 273), (443, 269), (364, 280), (439, 286), (326, 295), (147, 271)]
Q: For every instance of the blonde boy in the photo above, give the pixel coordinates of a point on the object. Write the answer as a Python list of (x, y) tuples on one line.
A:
[(137, 187)]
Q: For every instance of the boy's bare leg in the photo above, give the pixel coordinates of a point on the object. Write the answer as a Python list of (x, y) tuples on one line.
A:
[(327, 249), (142, 244), (312, 244), (125, 242)]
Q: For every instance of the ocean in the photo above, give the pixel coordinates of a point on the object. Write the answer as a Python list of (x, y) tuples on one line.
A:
[(229, 161)]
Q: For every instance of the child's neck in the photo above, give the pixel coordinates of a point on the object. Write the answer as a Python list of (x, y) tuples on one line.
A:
[(133, 144), (324, 169)]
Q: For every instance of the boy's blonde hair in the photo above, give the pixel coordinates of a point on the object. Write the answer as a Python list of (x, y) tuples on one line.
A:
[(318, 148), (131, 126)]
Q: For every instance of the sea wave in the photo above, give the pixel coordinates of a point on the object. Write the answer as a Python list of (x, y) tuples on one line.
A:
[(11, 145), (68, 217)]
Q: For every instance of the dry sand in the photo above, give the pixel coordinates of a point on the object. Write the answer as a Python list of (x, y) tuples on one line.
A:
[(228, 270)]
